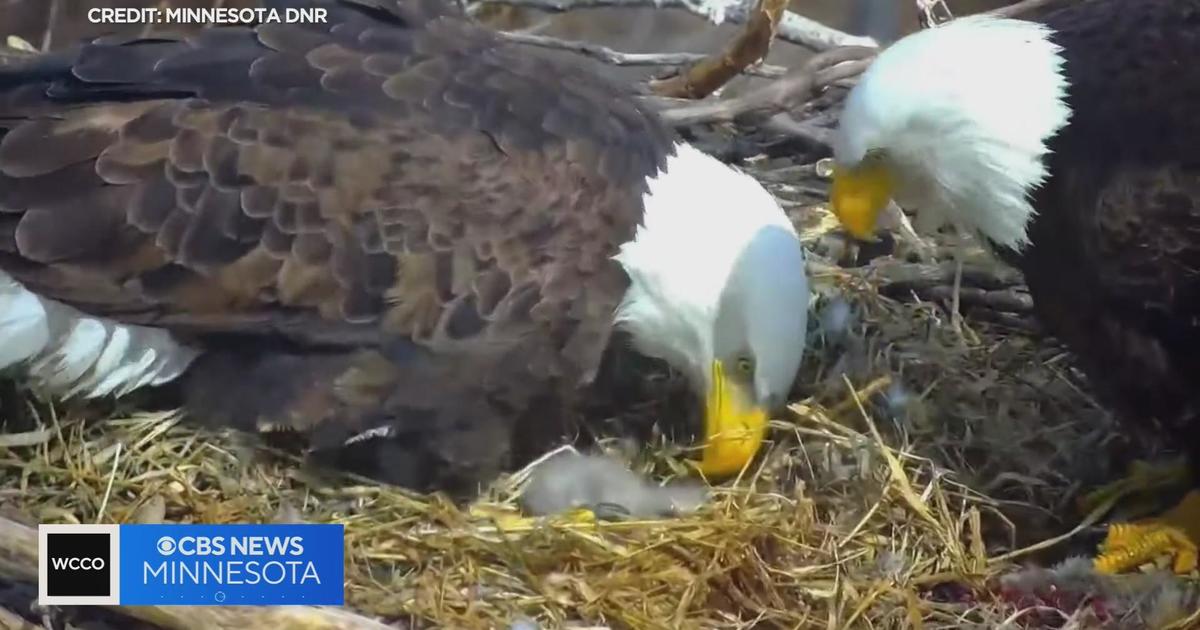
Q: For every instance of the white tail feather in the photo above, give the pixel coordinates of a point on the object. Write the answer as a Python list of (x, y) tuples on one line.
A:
[(68, 353), (23, 322)]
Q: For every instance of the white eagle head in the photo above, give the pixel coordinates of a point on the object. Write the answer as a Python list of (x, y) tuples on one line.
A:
[(952, 122), (718, 289)]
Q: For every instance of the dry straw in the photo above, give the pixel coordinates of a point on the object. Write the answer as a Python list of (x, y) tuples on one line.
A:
[(923, 457), (869, 501)]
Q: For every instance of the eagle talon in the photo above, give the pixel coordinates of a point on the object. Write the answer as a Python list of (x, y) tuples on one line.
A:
[(922, 129), (1175, 534)]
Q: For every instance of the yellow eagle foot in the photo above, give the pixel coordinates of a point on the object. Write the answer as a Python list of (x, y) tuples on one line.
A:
[(1174, 535), (510, 521)]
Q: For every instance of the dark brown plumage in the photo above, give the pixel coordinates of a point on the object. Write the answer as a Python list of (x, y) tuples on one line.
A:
[(1069, 145), (1114, 261), (342, 213), (1067, 142)]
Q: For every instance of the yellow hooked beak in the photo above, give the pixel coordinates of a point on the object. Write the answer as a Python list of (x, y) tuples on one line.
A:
[(734, 427), (859, 194)]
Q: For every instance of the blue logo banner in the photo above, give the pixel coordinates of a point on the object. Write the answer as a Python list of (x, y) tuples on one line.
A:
[(232, 565)]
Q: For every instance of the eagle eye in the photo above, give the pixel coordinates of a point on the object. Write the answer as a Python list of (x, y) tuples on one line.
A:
[(745, 365)]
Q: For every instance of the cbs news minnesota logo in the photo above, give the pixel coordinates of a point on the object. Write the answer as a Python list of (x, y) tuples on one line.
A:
[(216, 565)]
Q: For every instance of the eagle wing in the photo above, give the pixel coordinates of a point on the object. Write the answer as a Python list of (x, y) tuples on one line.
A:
[(1115, 269), (390, 223), (393, 172)]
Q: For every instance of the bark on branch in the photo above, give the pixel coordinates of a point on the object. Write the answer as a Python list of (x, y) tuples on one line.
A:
[(889, 272), (994, 287), (792, 27), (618, 58), (788, 93), (750, 46), (1026, 6), (11, 621), (1004, 300)]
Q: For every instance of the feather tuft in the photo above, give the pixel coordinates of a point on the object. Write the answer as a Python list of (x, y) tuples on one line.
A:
[(70, 354)]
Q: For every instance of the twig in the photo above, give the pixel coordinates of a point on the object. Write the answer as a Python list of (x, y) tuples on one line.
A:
[(1007, 300), (749, 47), (994, 287), (1191, 621), (898, 475), (208, 617), (793, 28), (1091, 519), (26, 438), (956, 297), (1023, 322), (12, 621), (1024, 6), (893, 273), (19, 563), (51, 23), (18, 552), (895, 219), (108, 488), (786, 94), (927, 13), (784, 125), (617, 58)]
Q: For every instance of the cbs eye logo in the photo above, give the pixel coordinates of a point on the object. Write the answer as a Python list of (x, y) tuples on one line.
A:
[(165, 545)]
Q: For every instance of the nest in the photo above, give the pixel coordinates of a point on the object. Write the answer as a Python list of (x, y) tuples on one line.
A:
[(924, 457)]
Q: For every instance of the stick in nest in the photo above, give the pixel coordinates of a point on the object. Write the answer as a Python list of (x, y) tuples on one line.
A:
[(794, 28), (788, 93), (750, 46), (617, 58), (1025, 6)]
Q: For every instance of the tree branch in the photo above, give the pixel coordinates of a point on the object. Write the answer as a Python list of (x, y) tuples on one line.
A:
[(750, 46), (928, 10), (785, 125), (618, 58), (12, 621), (1025, 6), (1004, 300), (887, 272), (788, 93), (793, 28), (994, 287)]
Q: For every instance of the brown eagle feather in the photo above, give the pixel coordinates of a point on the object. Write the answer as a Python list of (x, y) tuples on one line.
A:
[(391, 218), (1114, 260)]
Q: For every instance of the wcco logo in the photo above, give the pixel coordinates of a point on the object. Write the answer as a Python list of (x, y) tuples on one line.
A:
[(77, 564)]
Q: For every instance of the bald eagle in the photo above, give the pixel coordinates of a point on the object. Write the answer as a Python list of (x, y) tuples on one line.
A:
[(1069, 146), (392, 223)]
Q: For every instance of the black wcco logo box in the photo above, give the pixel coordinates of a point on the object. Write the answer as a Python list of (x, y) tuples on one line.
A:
[(78, 564)]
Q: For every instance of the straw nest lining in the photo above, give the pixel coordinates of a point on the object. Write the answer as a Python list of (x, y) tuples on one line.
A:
[(918, 460), (922, 459)]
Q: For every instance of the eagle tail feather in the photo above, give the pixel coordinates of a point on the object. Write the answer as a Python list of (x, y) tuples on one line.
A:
[(70, 354)]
